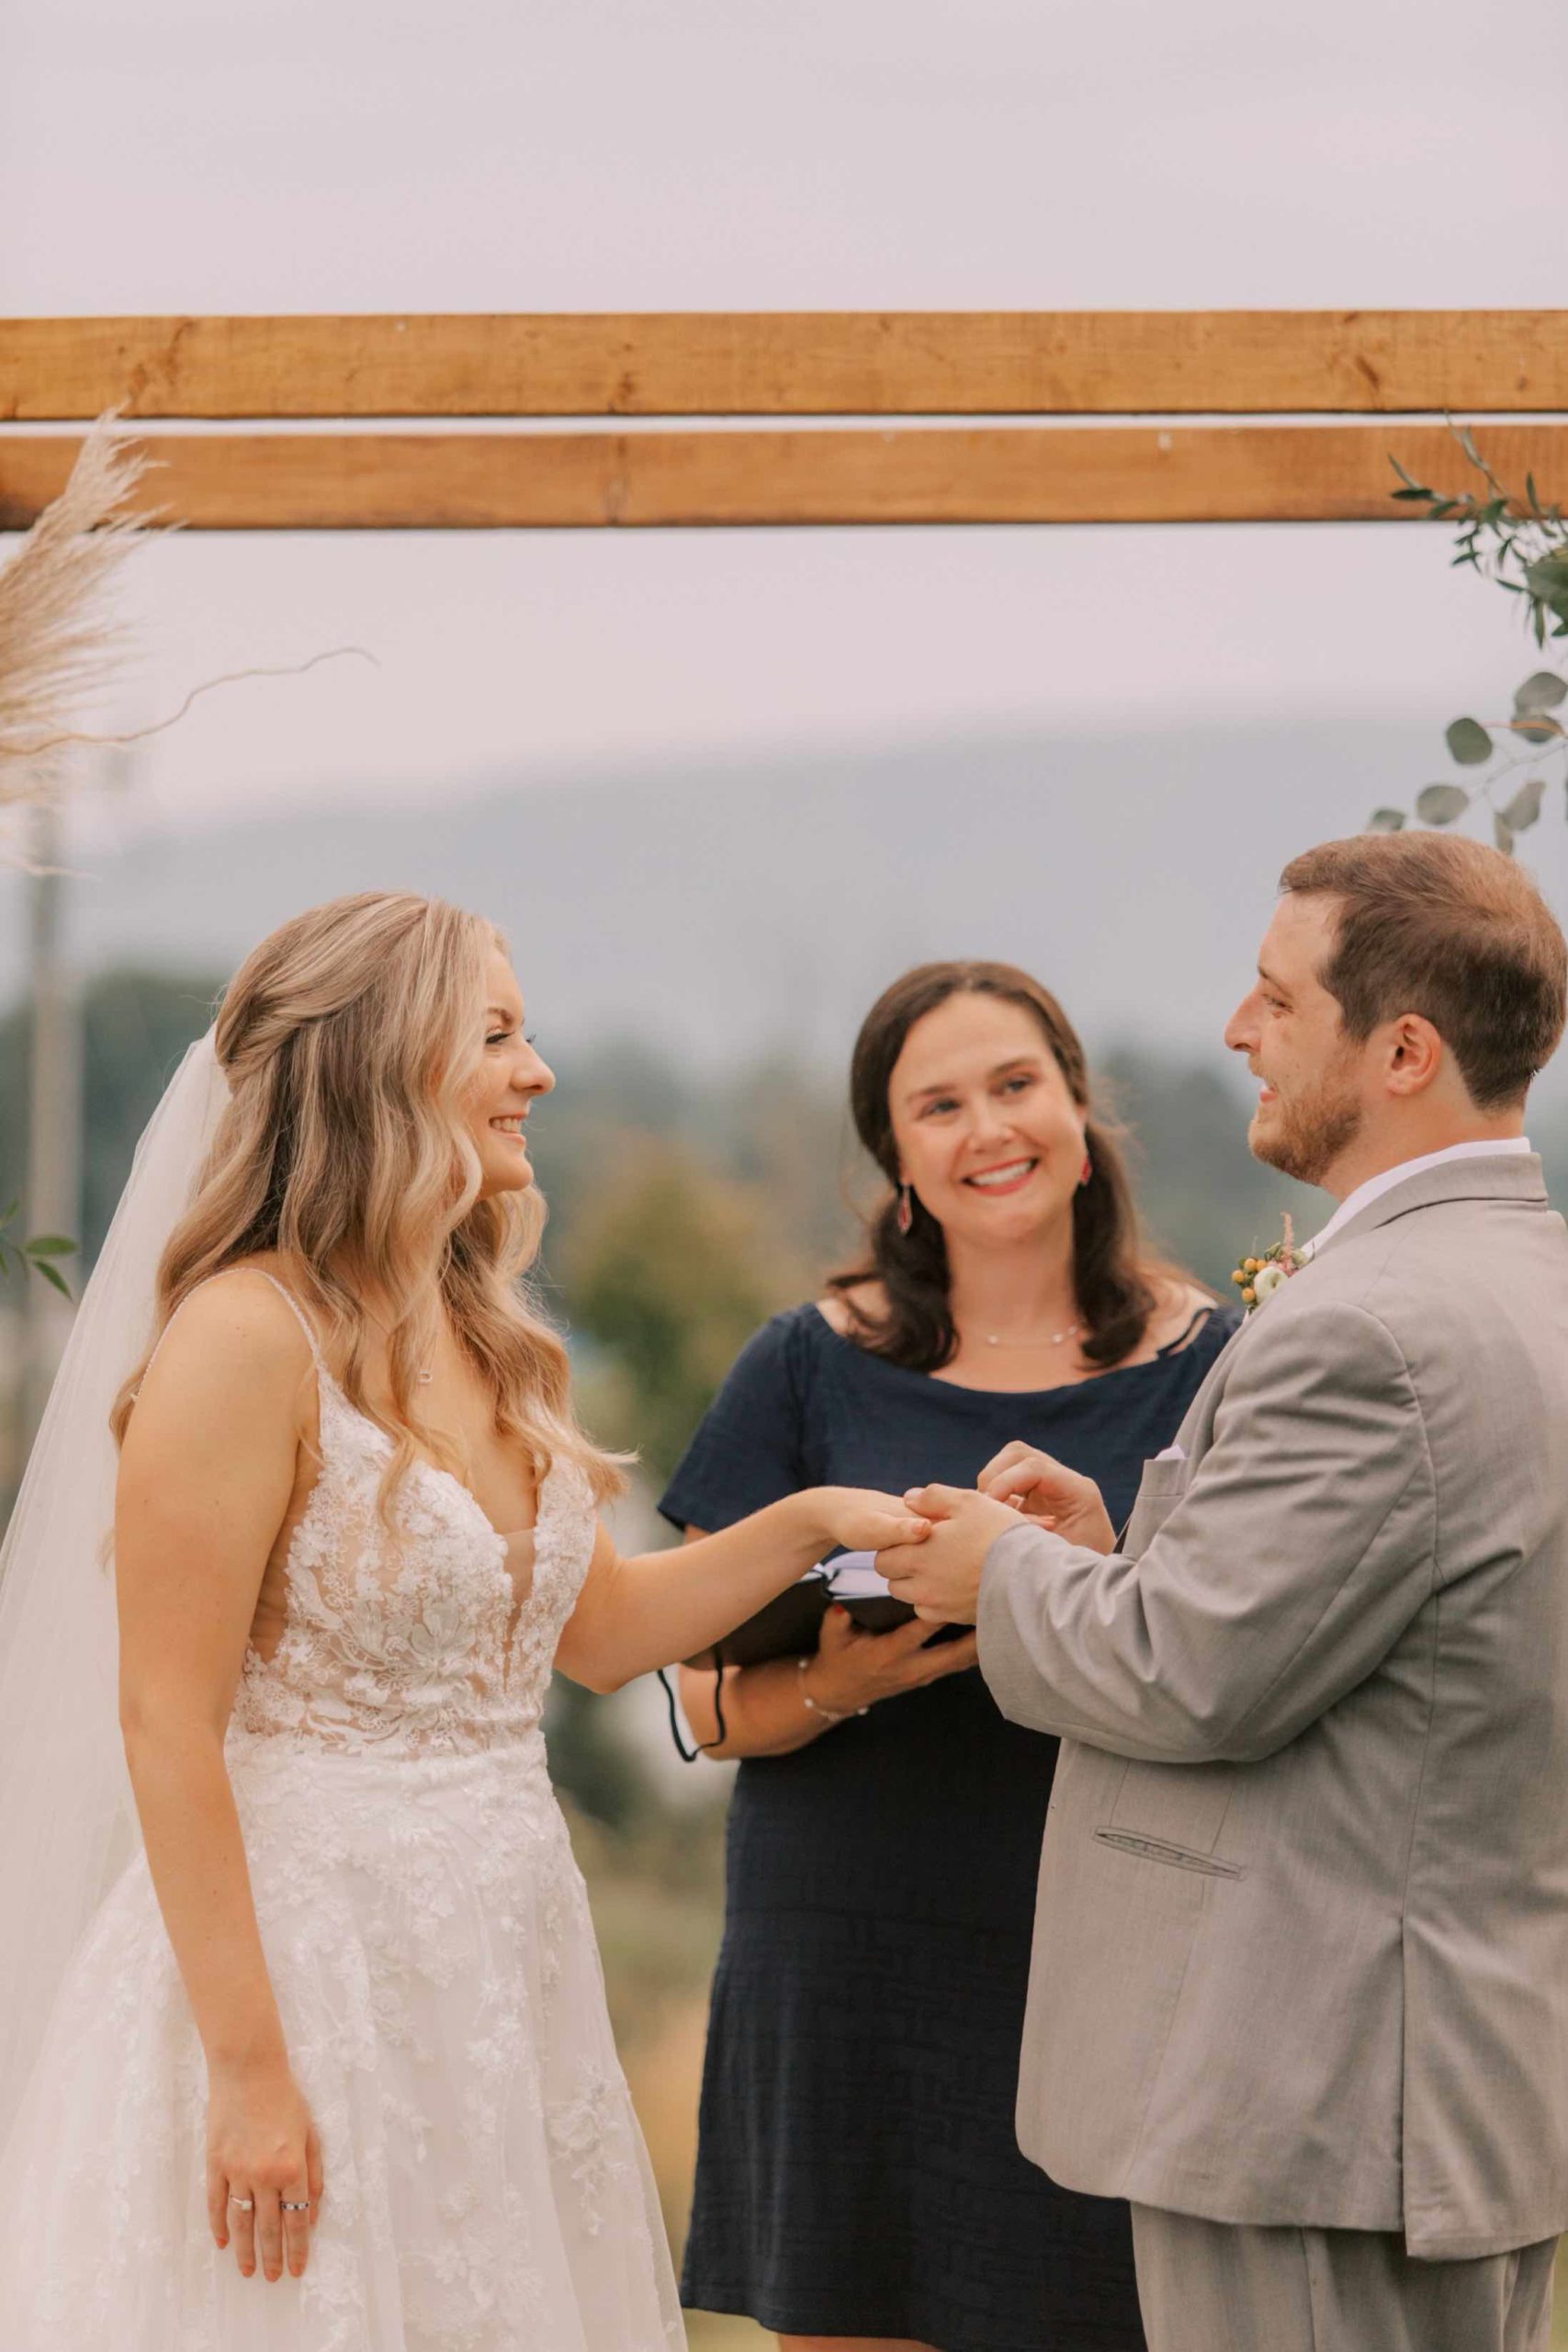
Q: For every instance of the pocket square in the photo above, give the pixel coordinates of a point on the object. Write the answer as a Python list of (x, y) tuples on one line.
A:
[(1172, 1453)]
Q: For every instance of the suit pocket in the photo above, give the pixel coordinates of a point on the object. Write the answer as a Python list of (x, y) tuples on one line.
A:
[(1173, 1811), (1158, 1850), (1161, 1488)]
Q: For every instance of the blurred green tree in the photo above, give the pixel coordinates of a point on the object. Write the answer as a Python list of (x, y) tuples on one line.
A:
[(671, 1269), (136, 1025)]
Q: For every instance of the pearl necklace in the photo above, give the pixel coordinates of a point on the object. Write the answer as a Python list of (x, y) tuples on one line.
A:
[(1054, 1339)]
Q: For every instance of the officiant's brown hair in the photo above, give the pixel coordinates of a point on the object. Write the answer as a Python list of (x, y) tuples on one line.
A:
[(1115, 1279), (1443, 926)]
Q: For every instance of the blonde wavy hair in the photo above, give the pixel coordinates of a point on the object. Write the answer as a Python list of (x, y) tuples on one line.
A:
[(349, 1039)]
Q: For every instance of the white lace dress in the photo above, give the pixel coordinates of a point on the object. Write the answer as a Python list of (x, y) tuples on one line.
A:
[(428, 1937)]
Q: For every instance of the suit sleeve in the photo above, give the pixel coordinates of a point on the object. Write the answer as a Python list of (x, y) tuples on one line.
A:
[(1297, 1556)]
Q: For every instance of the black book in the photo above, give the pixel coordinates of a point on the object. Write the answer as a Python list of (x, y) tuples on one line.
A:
[(790, 1625)]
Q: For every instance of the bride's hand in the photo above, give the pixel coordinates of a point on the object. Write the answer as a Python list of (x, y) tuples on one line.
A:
[(861, 1519), (262, 2153)]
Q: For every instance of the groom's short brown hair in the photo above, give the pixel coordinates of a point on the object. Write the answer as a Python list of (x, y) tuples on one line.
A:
[(1440, 926)]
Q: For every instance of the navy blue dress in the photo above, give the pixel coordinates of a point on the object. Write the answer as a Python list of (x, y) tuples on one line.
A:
[(858, 2173)]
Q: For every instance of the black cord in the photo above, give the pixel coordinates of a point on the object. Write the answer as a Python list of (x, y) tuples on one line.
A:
[(690, 1755)]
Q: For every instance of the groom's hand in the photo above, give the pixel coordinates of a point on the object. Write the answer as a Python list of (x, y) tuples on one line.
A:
[(940, 1577), (1062, 1499)]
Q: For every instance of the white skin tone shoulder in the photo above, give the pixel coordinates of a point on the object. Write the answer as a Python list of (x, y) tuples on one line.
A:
[(1333, 1111), (216, 1464)]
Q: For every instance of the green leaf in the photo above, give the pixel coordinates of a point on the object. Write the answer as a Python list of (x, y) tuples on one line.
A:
[(1440, 804), (1542, 690), (50, 1245), (52, 1274), (1387, 821), (9, 1211), (1539, 729), (1468, 742), (1547, 580), (1525, 806), (1503, 834)]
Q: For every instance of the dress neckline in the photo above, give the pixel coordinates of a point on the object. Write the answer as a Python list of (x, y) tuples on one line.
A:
[(328, 1380), (1171, 1352), (438, 1471)]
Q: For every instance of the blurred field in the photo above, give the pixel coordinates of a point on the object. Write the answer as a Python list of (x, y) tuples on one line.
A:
[(705, 2332), (656, 1892)]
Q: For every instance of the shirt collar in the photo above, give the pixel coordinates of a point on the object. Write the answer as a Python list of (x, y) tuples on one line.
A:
[(1510, 1147)]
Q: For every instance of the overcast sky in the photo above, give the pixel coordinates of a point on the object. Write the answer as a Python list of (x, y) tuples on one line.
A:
[(313, 154)]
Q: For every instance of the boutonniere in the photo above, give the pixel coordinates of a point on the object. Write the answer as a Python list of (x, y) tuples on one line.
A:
[(1258, 1278)]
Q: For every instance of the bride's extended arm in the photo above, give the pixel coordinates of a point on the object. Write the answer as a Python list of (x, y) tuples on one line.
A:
[(633, 1614), (205, 1479)]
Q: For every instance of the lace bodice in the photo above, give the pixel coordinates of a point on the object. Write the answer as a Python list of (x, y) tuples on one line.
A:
[(410, 1638)]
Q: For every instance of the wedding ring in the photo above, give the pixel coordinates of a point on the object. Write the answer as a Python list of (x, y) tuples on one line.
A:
[(245, 2204), (288, 2206)]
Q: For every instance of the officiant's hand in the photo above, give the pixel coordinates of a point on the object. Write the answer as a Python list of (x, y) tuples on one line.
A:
[(1044, 1489), (941, 1577), (854, 1667)]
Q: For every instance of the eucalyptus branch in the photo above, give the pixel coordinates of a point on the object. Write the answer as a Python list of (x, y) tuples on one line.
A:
[(1523, 546), (38, 1255)]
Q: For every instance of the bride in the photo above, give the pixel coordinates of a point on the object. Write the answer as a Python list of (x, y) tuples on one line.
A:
[(339, 2020)]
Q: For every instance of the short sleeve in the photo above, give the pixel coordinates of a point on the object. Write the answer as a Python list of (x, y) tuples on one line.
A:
[(749, 1448)]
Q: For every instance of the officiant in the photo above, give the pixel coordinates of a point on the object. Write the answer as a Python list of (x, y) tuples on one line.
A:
[(858, 2173)]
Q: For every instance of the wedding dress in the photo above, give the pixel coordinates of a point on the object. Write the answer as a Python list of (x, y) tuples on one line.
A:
[(428, 1937)]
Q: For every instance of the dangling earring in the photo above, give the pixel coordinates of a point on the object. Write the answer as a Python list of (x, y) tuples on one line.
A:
[(906, 1216), (1086, 1171)]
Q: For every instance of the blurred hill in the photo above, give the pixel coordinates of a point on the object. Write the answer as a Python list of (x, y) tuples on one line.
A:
[(771, 1138), (760, 1156), (723, 910)]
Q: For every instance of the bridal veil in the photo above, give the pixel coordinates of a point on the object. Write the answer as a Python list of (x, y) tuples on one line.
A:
[(67, 1824)]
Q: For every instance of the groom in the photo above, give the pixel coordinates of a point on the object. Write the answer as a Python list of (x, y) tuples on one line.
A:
[(1300, 1985)]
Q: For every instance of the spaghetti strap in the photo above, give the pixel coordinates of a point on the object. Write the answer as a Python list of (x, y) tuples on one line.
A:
[(298, 1313), (284, 1292)]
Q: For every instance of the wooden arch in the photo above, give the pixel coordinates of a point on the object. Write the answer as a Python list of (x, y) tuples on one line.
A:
[(400, 424)]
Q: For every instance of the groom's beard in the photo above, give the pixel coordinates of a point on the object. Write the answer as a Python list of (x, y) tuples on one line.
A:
[(1309, 1134)]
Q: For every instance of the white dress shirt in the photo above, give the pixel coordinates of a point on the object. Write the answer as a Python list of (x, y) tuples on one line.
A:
[(1511, 1146)]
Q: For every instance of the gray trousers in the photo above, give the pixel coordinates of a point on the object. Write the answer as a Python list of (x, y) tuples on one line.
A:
[(1224, 2287)]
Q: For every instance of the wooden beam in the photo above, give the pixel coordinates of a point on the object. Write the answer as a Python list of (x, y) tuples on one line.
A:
[(822, 363), (457, 481)]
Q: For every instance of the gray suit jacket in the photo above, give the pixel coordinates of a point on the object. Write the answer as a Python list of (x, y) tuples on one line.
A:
[(1302, 1945)]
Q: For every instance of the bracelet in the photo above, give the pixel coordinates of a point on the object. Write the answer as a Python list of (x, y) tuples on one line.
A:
[(826, 1713)]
